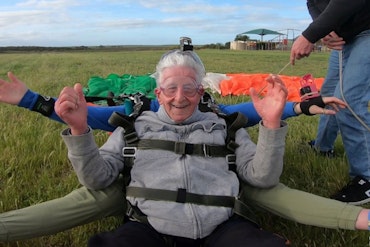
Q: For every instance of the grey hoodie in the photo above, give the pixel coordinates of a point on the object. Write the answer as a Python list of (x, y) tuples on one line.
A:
[(259, 165)]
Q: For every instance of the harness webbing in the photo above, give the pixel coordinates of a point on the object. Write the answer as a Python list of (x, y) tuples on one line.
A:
[(234, 122), (182, 196), (185, 148), (129, 152)]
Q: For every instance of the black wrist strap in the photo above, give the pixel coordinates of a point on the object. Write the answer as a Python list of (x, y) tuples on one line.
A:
[(305, 105), (44, 105)]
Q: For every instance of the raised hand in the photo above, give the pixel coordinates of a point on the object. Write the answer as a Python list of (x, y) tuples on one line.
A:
[(12, 92), (71, 107), (271, 106)]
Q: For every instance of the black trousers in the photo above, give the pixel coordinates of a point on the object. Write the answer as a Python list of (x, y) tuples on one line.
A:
[(236, 232)]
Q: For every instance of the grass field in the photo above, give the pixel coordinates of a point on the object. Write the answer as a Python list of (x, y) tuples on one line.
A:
[(34, 165)]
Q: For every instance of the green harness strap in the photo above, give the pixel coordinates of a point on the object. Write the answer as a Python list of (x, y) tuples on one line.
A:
[(185, 148), (182, 196), (178, 148)]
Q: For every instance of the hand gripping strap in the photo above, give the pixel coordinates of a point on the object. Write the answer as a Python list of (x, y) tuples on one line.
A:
[(305, 105)]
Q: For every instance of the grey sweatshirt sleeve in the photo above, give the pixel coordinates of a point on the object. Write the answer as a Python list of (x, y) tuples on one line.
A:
[(261, 165), (95, 168)]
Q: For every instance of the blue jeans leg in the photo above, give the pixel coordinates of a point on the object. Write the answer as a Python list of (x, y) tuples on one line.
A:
[(356, 92), (327, 133), (327, 130)]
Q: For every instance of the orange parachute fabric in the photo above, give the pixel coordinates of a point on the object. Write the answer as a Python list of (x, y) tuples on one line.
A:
[(239, 84)]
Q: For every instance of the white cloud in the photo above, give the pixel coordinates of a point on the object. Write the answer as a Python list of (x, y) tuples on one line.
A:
[(47, 4), (49, 22)]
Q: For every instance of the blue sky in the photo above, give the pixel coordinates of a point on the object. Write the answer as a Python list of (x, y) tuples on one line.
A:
[(143, 22)]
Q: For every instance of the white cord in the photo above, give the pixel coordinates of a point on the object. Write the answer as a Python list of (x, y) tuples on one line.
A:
[(342, 94)]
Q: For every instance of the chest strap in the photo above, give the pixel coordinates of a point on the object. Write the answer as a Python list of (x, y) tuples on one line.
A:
[(185, 148), (182, 196)]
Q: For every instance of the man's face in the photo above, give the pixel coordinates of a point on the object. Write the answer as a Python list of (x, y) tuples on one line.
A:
[(179, 94)]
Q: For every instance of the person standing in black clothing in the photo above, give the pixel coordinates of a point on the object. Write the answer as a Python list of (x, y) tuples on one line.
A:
[(349, 21)]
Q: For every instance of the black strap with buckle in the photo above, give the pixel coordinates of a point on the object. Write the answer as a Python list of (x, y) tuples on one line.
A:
[(182, 196), (185, 148)]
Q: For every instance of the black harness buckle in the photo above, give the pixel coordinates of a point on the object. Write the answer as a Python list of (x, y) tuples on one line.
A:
[(129, 152)]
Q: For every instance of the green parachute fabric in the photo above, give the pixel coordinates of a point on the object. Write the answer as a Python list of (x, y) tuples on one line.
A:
[(118, 85)]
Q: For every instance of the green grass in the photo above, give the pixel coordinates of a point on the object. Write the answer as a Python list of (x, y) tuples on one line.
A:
[(34, 165)]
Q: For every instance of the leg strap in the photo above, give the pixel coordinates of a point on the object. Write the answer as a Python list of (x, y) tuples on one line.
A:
[(182, 196)]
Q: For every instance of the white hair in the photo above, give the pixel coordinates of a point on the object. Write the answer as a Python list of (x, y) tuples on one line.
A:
[(180, 58)]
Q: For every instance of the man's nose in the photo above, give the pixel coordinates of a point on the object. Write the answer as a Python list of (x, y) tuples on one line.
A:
[(180, 93)]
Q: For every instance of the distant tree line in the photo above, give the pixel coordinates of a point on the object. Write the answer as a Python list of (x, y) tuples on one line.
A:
[(218, 46), (227, 44), (41, 48), (241, 38), (85, 48)]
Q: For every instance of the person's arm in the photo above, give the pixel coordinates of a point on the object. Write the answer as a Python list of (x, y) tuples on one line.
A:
[(38, 103), (313, 9), (247, 108), (335, 14), (291, 109), (264, 162), (332, 18), (97, 115), (96, 169), (332, 40), (16, 92)]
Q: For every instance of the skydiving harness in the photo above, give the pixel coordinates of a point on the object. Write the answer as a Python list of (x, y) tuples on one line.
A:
[(234, 122)]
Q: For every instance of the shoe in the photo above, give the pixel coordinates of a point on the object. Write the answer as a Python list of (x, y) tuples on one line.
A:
[(312, 143), (356, 192), (328, 154)]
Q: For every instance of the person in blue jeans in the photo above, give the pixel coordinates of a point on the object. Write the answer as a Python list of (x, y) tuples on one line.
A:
[(327, 130), (350, 20)]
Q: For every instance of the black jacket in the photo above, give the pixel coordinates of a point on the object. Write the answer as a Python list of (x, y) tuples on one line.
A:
[(346, 17)]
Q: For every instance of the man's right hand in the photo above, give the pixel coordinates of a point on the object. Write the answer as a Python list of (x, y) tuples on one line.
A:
[(301, 48)]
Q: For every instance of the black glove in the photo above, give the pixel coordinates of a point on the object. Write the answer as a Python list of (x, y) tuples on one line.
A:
[(305, 105)]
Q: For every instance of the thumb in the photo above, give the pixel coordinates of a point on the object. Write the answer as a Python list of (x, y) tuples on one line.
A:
[(78, 89), (12, 77), (253, 94)]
